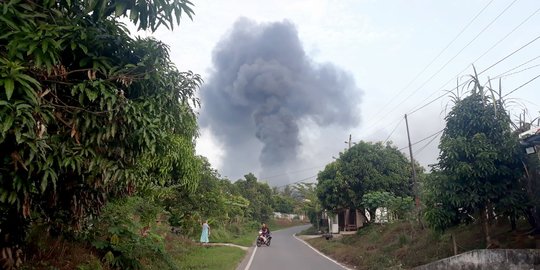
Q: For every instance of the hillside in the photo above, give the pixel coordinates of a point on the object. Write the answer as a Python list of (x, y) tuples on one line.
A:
[(402, 245)]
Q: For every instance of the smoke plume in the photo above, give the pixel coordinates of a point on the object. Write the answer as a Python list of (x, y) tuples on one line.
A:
[(261, 86)]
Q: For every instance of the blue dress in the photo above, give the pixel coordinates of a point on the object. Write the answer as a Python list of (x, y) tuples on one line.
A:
[(204, 234)]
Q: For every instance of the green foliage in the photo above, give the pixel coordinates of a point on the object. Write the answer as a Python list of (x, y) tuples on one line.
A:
[(479, 162), (88, 113), (215, 258), (283, 204), (364, 168), (374, 200), (125, 233), (93, 265), (307, 193), (259, 196), (439, 215), (398, 207), (213, 199)]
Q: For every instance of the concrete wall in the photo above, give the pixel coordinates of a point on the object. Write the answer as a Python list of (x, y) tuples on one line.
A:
[(492, 259)]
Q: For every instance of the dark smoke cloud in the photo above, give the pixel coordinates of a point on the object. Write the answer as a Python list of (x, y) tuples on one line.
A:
[(261, 86)]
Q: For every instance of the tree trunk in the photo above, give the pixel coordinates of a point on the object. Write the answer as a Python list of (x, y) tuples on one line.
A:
[(513, 220), (372, 215), (490, 213), (454, 244), (318, 222), (485, 222)]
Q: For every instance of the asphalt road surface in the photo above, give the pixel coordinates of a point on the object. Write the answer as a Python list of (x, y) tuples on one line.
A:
[(287, 252)]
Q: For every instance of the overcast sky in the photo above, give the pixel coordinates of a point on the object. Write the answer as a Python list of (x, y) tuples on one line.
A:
[(386, 58)]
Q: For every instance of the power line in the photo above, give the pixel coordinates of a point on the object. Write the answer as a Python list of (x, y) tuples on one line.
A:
[(437, 57), (451, 59), (514, 68), (519, 87), (299, 181), (514, 52), (459, 52), (497, 43), (291, 172), (392, 132), (426, 145), (502, 75), (507, 35), (486, 69), (415, 143), (517, 72)]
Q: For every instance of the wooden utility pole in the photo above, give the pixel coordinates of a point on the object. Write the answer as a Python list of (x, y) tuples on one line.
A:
[(350, 138), (415, 186)]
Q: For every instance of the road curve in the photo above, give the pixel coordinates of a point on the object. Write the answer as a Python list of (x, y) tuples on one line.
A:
[(287, 252)]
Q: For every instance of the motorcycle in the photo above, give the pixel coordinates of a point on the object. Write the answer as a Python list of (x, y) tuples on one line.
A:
[(263, 240)]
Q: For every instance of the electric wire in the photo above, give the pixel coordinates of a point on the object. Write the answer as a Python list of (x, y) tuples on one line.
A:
[(517, 72), (519, 87), (299, 181), (506, 36), (504, 74), (459, 52), (393, 130), (291, 172), (487, 51), (426, 138), (436, 57), (483, 71), (425, 145)]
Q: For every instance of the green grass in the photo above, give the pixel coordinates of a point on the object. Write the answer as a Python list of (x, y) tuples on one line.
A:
[(185, 254), (244, 238), (405, 245), (209, 258), (309, 231)]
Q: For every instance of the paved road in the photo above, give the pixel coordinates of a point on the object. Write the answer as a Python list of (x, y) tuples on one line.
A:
[(287, 252)]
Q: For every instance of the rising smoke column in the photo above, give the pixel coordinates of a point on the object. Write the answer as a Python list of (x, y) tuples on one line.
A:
[(262, 84)]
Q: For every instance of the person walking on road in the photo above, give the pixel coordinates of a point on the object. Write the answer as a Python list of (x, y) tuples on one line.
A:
[(205, 233)]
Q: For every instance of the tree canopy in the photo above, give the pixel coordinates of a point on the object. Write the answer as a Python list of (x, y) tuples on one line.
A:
[(479, 164), (259, 196), (88, 112), (366, 167)]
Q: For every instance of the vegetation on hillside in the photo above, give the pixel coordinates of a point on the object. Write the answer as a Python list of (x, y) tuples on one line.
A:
[(366, 176), (97, 131), (404, 244), (481, 191)]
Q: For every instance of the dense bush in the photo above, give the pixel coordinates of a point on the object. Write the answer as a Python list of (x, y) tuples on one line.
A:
[(126, 233), (87, 112)]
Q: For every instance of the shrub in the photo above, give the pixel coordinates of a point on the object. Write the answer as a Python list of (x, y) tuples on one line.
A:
[(125, 234)]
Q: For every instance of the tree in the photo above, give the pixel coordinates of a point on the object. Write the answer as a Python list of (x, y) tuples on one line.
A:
[(365, 167), (259, 196), (87, 112), (213, 200), (307, 193), (396, 207), (479, 157)]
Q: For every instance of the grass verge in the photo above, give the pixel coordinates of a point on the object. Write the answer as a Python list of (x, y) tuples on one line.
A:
[(210, 258), (403, 245), (181, 252)]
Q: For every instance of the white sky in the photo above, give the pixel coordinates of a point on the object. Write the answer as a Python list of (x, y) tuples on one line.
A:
[(385, 45)]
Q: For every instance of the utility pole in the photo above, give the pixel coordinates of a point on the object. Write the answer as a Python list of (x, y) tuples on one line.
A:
[(349, 142), (415, 186)]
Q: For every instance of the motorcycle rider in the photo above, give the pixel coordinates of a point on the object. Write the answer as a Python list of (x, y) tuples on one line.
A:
[(265, 232)]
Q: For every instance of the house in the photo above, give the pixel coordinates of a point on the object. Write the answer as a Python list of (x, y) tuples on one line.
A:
[(530, 140), (347, 219), (344, 220), (279, 215)]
